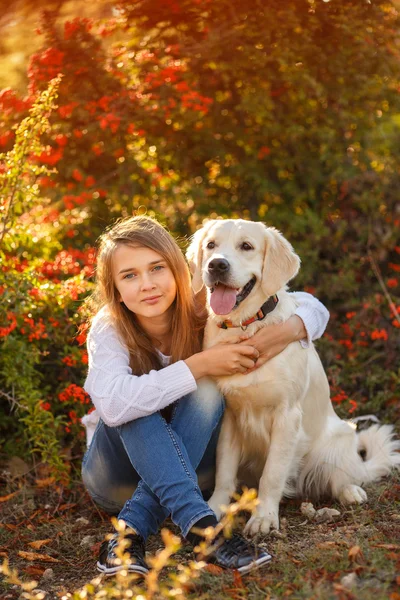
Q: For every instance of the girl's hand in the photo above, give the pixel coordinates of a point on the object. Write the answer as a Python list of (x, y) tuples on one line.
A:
[(223, 359), (273, 339)]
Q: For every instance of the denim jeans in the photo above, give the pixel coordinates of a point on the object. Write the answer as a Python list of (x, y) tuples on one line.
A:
[(148, 466)]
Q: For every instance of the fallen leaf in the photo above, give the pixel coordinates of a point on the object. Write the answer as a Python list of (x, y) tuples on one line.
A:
[(5, 498), (5, 554), (35, 514), (67, 506), (394, 596), (95, 549), (237, 579), (213, 569), (398, 580), (46, 482), (36, 556), (355, 554), (34, 570), (386, 546), (393, 556), (324, 545), (39, 543)]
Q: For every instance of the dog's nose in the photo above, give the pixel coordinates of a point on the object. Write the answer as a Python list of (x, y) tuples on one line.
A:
[(218, 265)]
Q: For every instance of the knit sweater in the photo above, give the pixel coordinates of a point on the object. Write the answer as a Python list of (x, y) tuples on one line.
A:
[(120, 397)]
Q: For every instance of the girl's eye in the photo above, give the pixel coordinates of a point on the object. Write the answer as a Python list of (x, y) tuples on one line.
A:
[(129, 276), (210, 245), (158, 268), (246, 246)]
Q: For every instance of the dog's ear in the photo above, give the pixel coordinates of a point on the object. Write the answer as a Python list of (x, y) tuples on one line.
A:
[(281, 263), (194, 256)]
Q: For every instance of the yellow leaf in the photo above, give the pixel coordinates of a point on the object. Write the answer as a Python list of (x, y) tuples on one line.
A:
[(5, 498), (355, 554), (33, 556), (46, 482), (39, 543)]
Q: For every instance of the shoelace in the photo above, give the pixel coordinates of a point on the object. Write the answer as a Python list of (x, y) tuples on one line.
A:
[(235, 545), (134, 549)]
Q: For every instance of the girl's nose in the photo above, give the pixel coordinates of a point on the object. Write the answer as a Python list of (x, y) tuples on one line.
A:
[(147, 283)]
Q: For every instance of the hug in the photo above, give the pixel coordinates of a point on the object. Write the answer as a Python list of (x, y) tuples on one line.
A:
[(191, 395)]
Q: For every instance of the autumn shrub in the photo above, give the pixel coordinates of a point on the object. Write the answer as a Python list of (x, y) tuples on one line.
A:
[(286, 113), (41, 356)]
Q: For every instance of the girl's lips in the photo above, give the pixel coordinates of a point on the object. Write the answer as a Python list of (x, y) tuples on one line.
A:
[(151, 299)]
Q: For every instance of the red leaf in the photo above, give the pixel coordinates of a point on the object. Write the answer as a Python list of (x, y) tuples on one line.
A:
[(237, 579), (34, 570), (67, 506), (213, 569)]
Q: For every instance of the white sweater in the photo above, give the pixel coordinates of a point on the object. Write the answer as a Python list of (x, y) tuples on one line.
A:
[(120, 397)]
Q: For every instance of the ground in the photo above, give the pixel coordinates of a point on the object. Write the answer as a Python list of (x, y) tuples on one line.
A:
[(310, 559)]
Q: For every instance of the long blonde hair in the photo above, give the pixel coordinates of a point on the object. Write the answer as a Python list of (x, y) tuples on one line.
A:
[(188, 317)]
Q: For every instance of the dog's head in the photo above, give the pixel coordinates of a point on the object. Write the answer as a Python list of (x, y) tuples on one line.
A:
[(240, 261)]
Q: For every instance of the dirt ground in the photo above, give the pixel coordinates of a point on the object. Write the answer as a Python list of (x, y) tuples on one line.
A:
[(53, 535)]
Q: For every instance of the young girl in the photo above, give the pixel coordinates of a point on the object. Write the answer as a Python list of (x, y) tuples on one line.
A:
[(145, 358)]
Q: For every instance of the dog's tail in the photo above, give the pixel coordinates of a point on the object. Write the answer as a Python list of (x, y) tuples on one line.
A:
[(342, 457), (379, 451)]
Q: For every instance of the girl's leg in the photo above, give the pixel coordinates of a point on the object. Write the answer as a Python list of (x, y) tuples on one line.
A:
[(167, 463), (107, 472), (110, 478)]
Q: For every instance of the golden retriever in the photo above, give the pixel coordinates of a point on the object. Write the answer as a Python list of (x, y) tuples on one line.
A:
[(279, 421)]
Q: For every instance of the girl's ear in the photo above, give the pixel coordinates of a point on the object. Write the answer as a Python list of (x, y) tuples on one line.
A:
[(194, 256), (281, 263)]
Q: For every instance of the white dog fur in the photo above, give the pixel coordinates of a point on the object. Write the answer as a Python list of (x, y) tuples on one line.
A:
[(279, 421)]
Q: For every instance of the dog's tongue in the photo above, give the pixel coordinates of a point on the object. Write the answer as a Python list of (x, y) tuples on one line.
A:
[(223, 299)]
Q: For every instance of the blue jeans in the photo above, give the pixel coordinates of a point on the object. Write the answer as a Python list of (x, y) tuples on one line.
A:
[(148, 466)]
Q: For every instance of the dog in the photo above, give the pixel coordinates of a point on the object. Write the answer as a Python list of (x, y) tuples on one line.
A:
[(279, 421)]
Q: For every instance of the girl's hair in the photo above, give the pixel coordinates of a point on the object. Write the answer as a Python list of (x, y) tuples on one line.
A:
[(188, 318)]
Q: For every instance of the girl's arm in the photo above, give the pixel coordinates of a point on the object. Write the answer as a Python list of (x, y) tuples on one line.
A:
[(314, 315), (120, 397), (306, 325)]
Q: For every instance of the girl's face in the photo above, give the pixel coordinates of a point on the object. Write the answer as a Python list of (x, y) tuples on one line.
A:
[(144, 281)]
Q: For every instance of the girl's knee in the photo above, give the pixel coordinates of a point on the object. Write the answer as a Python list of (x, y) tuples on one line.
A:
[(110, 498), (108, 492)]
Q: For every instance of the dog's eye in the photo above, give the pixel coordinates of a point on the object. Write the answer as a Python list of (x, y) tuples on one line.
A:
[(210, 245), (246, 246)]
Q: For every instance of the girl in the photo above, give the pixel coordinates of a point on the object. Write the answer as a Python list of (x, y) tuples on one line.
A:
[(145, 358)]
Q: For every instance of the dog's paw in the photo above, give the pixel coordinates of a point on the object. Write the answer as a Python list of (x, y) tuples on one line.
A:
[(352, 494), (262, 523), (217, 501)]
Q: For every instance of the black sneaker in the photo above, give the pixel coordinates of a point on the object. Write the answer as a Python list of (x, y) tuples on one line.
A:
[(237, 553), (108, 560)]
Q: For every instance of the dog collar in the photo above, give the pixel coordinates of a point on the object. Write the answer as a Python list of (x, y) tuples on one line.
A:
[(266, 308)]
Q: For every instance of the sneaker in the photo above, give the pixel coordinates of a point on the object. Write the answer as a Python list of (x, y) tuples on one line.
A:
[(237, 553), (108, 560)]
